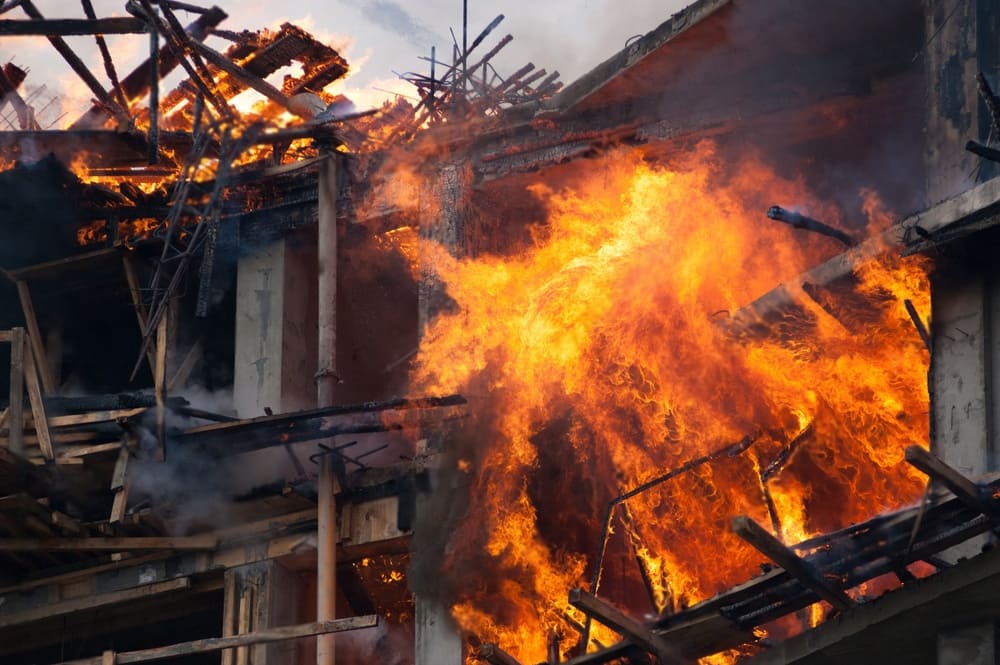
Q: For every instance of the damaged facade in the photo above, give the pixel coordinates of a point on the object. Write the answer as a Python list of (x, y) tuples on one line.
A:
[(258, 412)]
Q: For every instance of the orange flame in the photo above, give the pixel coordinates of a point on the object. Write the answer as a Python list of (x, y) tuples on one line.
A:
[(595, 362)]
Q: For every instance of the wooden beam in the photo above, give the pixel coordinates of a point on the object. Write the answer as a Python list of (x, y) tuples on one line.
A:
[(92, 601), (966, 490), (219, 643), (63, 27), (38, 408), (15, 440), (628, 627), (494, 655), (140, 309), (73, 60), (35, 336), (240, 74), (160, 380), (776, 551), (114, 544), (96, 417), (183, 372)]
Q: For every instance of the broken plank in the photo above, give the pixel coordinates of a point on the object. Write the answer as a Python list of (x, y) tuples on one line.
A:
[(119, 485), (116, 25), (630, 628), (966, 490), (776, 551), (108, 415), (219, 643), (124, 543)]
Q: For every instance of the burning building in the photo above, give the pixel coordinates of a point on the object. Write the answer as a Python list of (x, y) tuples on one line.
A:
[(689, 360)]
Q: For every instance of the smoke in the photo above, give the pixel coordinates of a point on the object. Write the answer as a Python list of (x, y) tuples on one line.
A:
[(392, 17)]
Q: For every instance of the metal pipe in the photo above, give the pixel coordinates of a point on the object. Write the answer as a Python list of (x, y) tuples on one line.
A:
[(326, 379)]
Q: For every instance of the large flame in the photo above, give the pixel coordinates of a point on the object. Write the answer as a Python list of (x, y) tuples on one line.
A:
[(597, 359)]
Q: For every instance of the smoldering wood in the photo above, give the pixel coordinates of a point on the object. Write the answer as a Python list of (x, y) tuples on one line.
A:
[(65, 27), (212, 644), (799, 221)]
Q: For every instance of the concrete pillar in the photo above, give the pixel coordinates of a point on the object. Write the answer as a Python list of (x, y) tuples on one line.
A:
[(257, 596), (971, 645), (438, 641), (275, 357)]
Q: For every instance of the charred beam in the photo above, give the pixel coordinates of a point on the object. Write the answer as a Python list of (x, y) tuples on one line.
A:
[(800, 221), (967, 491), (109, 65), (137, 83), (73, 60), (632, 629), (776, 551), (494, 655), (983, 151), (918, 323), (241, 74), (64, 27)]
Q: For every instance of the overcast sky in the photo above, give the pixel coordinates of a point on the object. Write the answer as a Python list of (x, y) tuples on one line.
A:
[(377, 37)]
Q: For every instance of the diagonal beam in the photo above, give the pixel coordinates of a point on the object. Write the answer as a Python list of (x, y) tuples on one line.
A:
[(803, 571), (966, 490), (72, 26), (628, 627), (73, 60)]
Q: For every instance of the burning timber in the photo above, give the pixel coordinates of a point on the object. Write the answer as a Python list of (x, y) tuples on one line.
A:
[(298, 379)]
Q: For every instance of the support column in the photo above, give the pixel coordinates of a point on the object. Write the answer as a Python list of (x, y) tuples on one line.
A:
[(326, 381), (273, 359), (972, 645), (438, 641)]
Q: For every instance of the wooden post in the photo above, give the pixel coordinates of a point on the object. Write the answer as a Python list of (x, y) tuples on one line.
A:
[(35, 337), (15, 415), (154, 90), (230, 601), (108, 658), (38, 407), (326, 380), (326, 571)]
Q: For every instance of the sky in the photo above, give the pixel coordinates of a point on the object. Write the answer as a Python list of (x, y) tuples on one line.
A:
[(378, 38)]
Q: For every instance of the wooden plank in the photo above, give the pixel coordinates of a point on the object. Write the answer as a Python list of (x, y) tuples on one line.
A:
[(38, 407), (93, 601), (117, 25), (628, 627), (966, 490), (95, 417), (119, 485), (776, 551), (35, 336), (15, 436), (116, 544), (229, 601), (74, 575), (219, 643), (108, 658)]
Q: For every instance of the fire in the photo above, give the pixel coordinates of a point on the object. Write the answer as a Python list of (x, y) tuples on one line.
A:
[(596, 361)]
